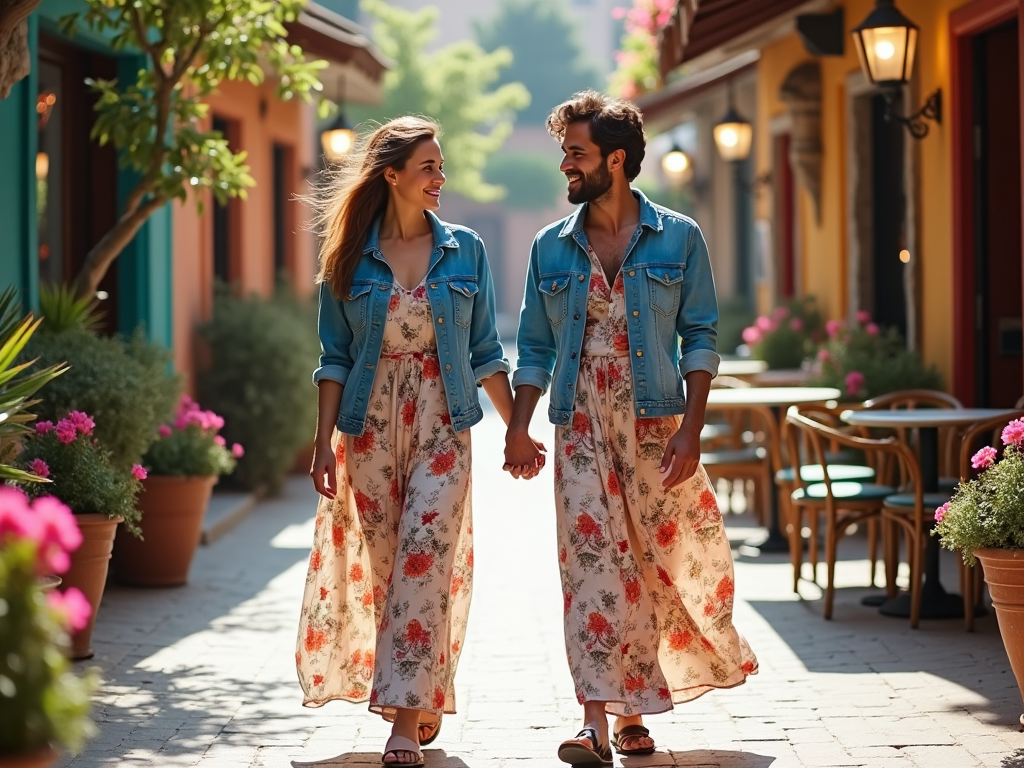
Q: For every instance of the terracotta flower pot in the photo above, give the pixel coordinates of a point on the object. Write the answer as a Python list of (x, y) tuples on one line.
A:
[(1004, 574), (42, 758), (172, 521), (88, 572)]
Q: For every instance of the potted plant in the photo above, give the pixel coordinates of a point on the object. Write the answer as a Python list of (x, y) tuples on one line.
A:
[(43, 704), (100, 494), (785, 337), (182, 467), (984, 521)]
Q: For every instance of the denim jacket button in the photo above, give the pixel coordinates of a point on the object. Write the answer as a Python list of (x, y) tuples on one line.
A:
[(433, 286), (440, 320), (382, 287), (632, 273), (636, 313), (572, 356), (576, 316), (643, 411), (582, 278), (639, 353), (448, 367)]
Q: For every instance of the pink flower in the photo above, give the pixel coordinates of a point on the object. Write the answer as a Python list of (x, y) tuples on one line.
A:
[(823, 355), (796, 324), (219, 440), (39, 467), (165, 430), (72, 605), (1013, 433), (854, 381), (863, 317), (82, 421), (941, 512), (43, 427), (764, 323), (872, 329), (986, 457), (66, 431), (832, 328), (237, 451), (57, 534), (16, 516), (780, 313), (139, 472), (751, 335)]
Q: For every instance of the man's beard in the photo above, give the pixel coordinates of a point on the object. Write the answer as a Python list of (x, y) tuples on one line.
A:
[(592, 185)]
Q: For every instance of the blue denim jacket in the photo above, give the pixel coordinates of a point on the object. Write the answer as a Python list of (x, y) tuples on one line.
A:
[(461, 295), (671, 306)]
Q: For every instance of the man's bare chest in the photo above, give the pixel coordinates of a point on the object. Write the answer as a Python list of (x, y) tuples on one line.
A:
[(610, 251)]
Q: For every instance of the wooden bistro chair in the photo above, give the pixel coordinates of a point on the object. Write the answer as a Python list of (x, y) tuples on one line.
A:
[(987, 432), (844, 502), (800, 458), (745, 453)]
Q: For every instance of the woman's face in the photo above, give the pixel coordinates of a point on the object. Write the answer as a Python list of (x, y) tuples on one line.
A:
[(419, 182)]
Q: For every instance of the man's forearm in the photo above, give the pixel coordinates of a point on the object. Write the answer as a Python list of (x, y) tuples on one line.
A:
[(698, 386)]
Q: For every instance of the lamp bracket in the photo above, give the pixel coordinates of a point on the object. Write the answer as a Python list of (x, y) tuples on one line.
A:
[(915, 123)]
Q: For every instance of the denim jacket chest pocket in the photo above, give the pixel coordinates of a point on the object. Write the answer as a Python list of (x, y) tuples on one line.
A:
[(357, 306), (666, 283), (556, 297), (463, 292)]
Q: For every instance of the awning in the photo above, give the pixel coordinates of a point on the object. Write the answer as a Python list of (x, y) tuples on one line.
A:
[(356, 68), (700, 26)]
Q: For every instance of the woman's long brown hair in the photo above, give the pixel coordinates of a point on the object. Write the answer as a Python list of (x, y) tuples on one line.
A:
[(358, 192)]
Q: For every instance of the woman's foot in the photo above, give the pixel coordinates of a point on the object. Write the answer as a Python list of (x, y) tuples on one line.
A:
[(630, 737)]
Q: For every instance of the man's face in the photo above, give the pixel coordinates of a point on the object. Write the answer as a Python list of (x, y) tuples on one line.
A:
[(587, 172)]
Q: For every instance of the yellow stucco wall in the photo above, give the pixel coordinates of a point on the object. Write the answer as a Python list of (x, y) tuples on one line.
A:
[(823, 246)]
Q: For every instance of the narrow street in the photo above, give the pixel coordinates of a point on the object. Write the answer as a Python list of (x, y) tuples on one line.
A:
[(203, 675)]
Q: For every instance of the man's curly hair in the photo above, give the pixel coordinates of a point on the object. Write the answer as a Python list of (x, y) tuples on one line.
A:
[(614, 124)]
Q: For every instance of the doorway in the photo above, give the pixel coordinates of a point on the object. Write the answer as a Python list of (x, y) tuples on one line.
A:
[(998, 339)]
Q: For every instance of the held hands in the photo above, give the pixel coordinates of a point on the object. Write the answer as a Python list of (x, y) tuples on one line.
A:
[(524, 456), (682, 456), (325, 470)]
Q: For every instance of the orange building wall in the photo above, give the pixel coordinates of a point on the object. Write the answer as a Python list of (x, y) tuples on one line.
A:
[(824, 246), (262, 121)]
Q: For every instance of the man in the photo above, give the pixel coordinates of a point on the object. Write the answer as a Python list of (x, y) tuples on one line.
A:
[(620, 310)]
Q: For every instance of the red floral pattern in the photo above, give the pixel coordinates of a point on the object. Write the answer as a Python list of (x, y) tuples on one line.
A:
[(390, 573), (647, 574)]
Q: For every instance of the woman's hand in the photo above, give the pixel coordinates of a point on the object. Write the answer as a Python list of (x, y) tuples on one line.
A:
[(325, 470), (524, 456)]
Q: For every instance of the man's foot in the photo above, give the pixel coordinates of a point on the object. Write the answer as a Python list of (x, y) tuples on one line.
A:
[(587, 749), (429, 728), (402, 751), (630, 737)]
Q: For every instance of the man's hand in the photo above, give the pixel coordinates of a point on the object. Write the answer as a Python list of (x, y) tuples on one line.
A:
[(524, 456), (682, 455), (325, 469)]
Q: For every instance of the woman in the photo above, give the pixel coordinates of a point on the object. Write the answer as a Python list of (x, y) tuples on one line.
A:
[(407, 330)]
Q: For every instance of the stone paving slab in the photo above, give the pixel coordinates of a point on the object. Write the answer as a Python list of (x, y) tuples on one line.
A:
[(203, 675)]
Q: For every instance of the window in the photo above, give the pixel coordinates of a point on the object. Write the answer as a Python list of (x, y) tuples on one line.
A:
[(225, 219), (283, 228), (50, 110)]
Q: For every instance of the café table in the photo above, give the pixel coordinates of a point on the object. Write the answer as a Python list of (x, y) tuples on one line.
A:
[(936, 603), (742, 368), (781, 377), (777, 399)]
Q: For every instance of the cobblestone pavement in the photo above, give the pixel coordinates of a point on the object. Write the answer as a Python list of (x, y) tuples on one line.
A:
[(203, 675)]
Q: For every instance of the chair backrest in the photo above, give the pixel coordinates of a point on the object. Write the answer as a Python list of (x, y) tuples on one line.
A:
[(912, 398), (987, 432)]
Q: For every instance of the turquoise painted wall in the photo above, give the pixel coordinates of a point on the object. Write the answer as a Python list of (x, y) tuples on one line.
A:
[(144, 267)]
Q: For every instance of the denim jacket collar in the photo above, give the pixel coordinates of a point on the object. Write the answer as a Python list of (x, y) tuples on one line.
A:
[(443, 235), (649, 216)]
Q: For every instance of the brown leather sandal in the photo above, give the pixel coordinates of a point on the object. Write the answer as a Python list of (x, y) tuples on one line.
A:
[(631, 731), (433, 729), (573, 752)]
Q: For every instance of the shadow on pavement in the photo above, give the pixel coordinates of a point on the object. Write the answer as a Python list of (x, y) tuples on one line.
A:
[(433, 758), (719, 758), (1016, 760)]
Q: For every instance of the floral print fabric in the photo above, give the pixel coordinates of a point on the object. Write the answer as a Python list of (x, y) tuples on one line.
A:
[(390, 574), (647, 574)]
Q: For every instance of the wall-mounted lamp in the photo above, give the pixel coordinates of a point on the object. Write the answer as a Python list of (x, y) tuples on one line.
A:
[(677, 165), (733, 134), (886, 43), (339, 137)]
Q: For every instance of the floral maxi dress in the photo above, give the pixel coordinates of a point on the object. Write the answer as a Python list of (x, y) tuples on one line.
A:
[(390, 573), (647, 574)]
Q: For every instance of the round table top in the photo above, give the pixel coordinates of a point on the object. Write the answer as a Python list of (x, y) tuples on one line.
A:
[(742, 367), (923, 417), (772, 396), (782, 377)]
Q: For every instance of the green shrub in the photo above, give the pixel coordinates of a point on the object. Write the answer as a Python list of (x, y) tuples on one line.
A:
[(531, 180), (865, 361), (124, 384), (262, 353), (733, 316)]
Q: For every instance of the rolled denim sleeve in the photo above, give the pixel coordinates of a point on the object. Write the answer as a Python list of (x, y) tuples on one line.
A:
[(335, 339), (536, 341), (697, 321), (486, 354)]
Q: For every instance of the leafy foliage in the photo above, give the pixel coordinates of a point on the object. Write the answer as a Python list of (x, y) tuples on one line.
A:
[(786, 337), (50, 704), (546, 53), (156, 122), (262, 353), (988, 511), (63, 311), (864, 361), (126, 385), (82, 474), (531, 180), (451, 85)]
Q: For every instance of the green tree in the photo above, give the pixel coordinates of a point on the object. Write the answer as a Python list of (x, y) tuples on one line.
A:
[(452, 85), (547, 56), (155, 122), (531, 180)]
